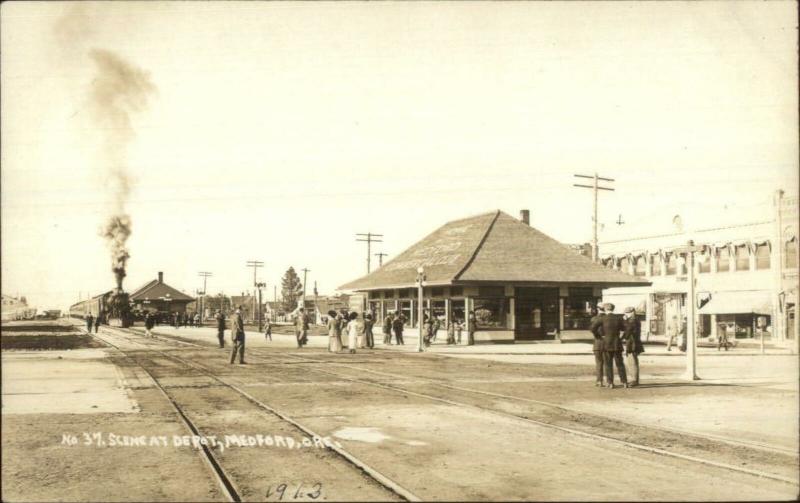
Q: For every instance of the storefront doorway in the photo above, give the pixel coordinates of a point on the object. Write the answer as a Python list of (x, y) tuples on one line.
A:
[(536, 313)]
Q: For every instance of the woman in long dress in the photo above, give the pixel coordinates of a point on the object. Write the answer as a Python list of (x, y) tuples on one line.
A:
[(355, 332), (334, 333)]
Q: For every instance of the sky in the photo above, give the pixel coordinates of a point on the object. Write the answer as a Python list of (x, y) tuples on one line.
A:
[(276, 131)]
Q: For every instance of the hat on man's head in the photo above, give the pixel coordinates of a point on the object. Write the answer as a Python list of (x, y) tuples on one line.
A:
[(628, 310), (608, 306)]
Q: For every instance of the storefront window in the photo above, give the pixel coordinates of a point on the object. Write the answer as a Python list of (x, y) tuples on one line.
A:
[(405, 310), (456, 291), (641, 266), (742, 258), (655, 264), (703, 262), (438, 309), (457, 307), (490, 312), (762, 257), (624, 265), (790, 254), (723, 260), (672, 264)]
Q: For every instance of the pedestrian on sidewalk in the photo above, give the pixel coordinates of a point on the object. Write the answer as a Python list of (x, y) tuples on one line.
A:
[(435, 325), (387, 329), (459, 328), (368, 335), (219, 317), (672, 332), (427, 331), (197, 320), (267, 330), (722, 338), (596, 327), (398, 324), (89, 321), (149, 323), (355, 332), (97, 322), (683, 335), (334, 332), (471, 329), (237, 336), (632, 337), (301, 327), (451, 333)]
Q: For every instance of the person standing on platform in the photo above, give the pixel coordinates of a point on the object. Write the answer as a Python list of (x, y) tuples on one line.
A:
[(301, 327), (459, 328), (435, 326), (334, 332), (387, 329), (427, 331), (267, 330), (398, 326), (683, 335), (612, 346), (355, 331), (197, 320), (219, 317), (633, 344), (368, 335), (149, 323), (596, 327), (237, 335), (722, 338), (89, 321), (97, 322), (451, 332), (471, 329)]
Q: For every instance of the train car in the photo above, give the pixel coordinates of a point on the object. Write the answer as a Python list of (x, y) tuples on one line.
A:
[(94, 306)]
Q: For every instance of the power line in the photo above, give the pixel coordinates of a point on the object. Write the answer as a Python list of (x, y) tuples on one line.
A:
[(370, 238), (595, 187)]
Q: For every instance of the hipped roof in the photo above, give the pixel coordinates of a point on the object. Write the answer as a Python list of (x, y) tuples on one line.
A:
[(154, 290), (492, 247)]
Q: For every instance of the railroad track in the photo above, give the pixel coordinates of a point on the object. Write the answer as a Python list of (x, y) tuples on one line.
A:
[(269, 359), (222, 478)]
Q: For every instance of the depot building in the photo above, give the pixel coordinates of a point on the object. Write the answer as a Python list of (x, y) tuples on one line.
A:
[(521, 284)]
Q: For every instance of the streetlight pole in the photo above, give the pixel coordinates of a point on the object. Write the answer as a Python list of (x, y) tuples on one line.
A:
[(260, 286), (691, 339), (204, 275), (305, 275), (420, 284)]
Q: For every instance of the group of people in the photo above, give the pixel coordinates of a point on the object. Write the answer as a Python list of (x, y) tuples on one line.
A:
[(357, 328), (91, 321), (613, 336)]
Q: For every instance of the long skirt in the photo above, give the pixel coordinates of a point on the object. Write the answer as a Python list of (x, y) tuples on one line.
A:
[(334, 343), (352, 340), (362, 341)]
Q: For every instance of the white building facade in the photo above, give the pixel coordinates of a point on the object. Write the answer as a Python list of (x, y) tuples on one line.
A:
[(746, 276)]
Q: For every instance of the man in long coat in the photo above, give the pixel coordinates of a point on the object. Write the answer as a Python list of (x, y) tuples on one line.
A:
[(301, 327), (596, 327), (633, 344), (219, 317), (237, 335), (612, 346)]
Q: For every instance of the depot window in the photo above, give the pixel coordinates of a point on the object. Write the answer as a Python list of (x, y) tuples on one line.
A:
[(578, 308), (790, 253), (490, 312)]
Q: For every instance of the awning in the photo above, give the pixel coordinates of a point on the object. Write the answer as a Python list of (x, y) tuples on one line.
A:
[(637, 301), (741, 302)]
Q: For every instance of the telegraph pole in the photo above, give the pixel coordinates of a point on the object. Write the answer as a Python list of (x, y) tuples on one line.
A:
[(370, 238), (255, 264), (305, 273), (595, 187), (691, 339), (380, 258), (205, 275)]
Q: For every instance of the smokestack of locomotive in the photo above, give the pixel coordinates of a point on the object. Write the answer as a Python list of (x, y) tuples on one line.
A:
[(118, 90)]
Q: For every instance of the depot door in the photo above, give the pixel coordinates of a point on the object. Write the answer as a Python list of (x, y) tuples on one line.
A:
[(535, 312)]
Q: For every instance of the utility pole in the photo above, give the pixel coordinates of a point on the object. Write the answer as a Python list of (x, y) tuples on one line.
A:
[(255, 264), (260, 286), (305, 273), (370, 238), (595, 187), (315, 302), (420, 307), (380, 258), (205, 275)]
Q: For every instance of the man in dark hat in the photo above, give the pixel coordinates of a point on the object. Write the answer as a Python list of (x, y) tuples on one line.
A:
[(237, 335), (596, 327), (612, 346), (632, 338), (219, 317), (301, 327)]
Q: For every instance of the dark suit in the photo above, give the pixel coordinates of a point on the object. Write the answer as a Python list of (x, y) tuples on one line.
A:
[(612, 347), (237, 335), (633, 346), (596, 327)]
